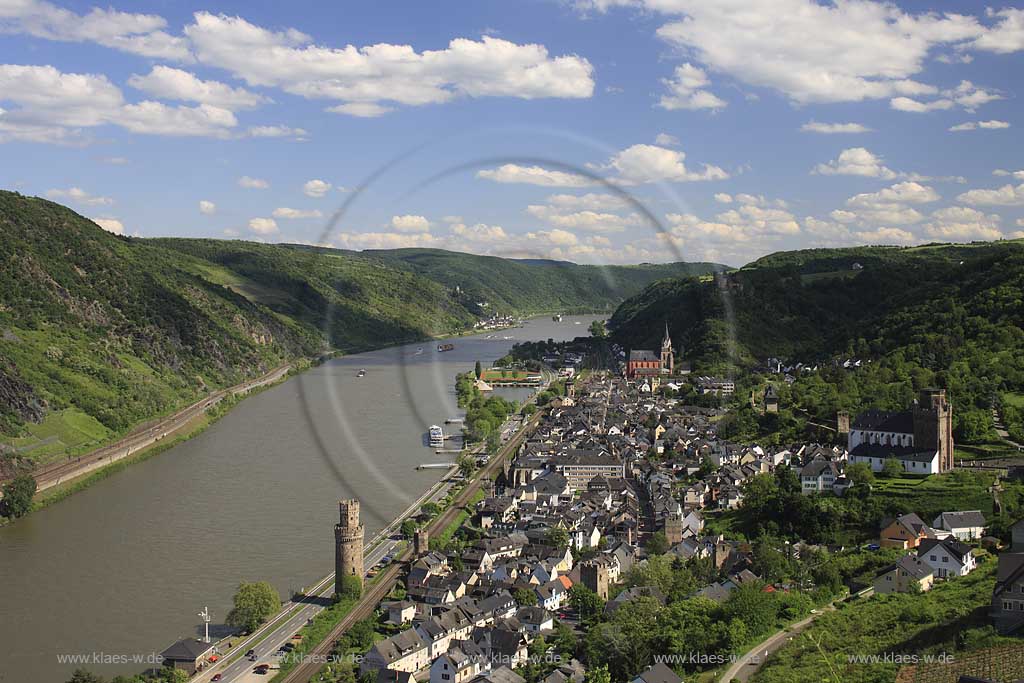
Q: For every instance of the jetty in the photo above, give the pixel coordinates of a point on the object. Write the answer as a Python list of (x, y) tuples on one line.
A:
[(435, 466)]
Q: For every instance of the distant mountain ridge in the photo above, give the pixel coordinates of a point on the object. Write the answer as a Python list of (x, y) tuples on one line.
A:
[(100, 332)]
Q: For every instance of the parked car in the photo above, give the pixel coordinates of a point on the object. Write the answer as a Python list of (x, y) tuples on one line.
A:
[(250, 653), (216, 677)]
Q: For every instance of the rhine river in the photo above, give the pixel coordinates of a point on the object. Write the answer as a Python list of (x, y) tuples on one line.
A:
[(123, 567)]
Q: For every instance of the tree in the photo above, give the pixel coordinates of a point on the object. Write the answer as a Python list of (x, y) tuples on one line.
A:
[(657, 543), (524, 597), (18, 493), (350, 587), (558, 538), (587, 603), (598, 674), (254, 603), (409, 528), (860, 474), (466, 464), (84, 676), (597, 329), (478, 370), (892, 467)]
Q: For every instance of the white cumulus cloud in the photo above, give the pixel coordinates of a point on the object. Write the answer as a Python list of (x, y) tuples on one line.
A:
[(291, 214), (316, 188), (207, 208), (110, 225), (686, 90), (263, 226), (250, 183), (834, 128), (410, 223), (79, 196)]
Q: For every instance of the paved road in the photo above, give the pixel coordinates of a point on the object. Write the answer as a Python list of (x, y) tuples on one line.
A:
[(144, 436), (304, 672), (280, 629), (749, 664)]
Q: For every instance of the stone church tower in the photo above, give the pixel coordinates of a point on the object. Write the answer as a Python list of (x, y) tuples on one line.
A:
[(667, 359), (348, 543), (933, 425)]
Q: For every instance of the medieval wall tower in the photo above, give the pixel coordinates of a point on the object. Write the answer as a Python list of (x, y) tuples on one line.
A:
[(843, 423), (933, 425), (348, 543)]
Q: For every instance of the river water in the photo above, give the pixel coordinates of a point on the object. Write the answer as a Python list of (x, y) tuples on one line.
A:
[(123, 567)]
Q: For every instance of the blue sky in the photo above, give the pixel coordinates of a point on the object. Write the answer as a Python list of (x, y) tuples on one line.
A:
[(601, 131)]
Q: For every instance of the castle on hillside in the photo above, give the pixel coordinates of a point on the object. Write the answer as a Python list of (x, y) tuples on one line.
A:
[(645, 363), (921, 438)]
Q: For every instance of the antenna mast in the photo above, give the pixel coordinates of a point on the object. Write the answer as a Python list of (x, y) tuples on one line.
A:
[(205, 615)]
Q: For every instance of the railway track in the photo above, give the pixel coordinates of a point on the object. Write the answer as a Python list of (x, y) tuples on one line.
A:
[(382, 586), (145, 436)]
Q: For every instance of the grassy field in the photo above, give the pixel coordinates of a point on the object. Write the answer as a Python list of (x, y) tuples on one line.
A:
[(986, 451), (928, 496), (1013, 399), (64, 432), (951, 618)]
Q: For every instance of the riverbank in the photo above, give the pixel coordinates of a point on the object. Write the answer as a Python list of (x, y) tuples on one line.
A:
[(253, 497)]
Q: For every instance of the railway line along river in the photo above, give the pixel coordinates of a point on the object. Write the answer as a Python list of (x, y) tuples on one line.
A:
[(115, 573)]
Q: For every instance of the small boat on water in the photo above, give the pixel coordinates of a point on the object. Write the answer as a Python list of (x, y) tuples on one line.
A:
[(419, 351), (445, 347), (361, 373), (436, 436), (557, 317)]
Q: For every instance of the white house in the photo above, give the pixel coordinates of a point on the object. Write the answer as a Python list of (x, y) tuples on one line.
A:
[(947, 557), (463, 661), (913, 460), (967, 525), (405, 651), (818, 476)]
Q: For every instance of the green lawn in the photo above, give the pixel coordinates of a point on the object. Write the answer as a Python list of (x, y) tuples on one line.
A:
[(928, 496)]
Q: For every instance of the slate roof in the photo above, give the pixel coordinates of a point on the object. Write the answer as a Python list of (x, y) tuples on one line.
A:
[(955, 548), (187, 650), (913, 453), (659, 673), (883, 421), (960, 520), (644, 354)]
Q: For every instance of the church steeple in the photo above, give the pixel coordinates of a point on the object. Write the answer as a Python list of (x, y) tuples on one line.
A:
[(668, 360)]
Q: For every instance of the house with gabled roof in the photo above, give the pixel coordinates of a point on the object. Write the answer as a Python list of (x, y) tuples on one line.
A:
[(905, 576), (966, 525), (1007, 608), (906, 531), (947, 557)]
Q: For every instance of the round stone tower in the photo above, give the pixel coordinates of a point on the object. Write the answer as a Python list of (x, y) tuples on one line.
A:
[(348, 543)]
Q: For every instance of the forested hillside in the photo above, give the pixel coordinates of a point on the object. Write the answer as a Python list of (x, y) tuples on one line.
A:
[(100, 332), (536, 285), (946, 315)]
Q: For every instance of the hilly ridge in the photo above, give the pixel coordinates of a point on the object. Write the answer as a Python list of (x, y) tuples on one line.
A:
[(946, 315), (100, 332)]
